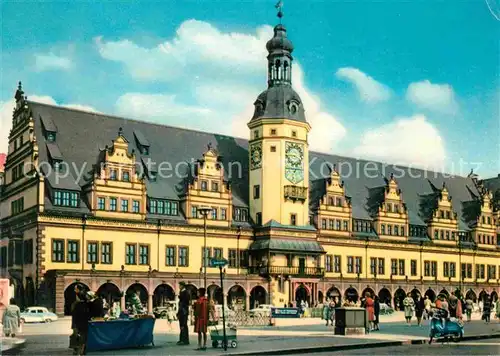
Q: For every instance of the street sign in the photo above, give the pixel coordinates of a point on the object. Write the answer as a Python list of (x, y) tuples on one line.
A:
[(285, 312), (218, 262)]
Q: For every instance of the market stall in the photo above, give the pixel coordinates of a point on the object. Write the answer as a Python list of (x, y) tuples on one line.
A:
[(120, 333)]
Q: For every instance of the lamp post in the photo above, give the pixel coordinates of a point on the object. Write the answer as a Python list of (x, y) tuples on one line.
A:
[(461, 276), (204, 210)]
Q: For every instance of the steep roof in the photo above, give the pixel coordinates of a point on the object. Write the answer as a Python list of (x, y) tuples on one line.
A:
[(81, 135)]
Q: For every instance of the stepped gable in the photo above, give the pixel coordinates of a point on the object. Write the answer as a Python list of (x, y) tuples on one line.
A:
[(81, 135)]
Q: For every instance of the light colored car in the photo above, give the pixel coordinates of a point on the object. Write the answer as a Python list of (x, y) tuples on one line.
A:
[(385, 309), (37, 315), (262, 310)]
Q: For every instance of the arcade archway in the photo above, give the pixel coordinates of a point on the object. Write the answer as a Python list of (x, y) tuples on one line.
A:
[(334, 293), (471, 295), (368, 290), (444, 293), (482, 295), (431, 294), (399, 296), (385, 297), (302, 294), (258, 296), (237, 298), (163, 294), (141, 291), (415, 293), (214, 292), (110, 293), (494, 297), (70, 296), (351, 295), (193, 291), (320, 297)]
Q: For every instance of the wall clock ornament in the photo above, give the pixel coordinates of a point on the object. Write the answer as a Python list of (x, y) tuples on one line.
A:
[(294, 162), (255, 156)]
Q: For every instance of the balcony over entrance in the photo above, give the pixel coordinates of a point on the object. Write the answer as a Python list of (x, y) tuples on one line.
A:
[(290, 271)]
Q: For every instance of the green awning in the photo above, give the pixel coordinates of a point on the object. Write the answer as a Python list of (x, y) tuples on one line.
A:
[(287, 245)]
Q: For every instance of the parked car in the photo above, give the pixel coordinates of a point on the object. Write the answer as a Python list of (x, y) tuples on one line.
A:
[(261, 310), (161, 312), (385, 309), (37, 315)]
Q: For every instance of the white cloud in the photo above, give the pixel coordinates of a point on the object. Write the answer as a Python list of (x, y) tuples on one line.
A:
[(196, 43), (52, 61), (222, 74), (437, 97), (369, 89), (411, 141), (7, 108)]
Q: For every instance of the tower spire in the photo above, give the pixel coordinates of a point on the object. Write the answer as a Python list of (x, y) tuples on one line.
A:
[(279, 7)]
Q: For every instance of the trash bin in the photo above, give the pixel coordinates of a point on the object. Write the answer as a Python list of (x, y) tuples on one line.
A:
[(350, 321)]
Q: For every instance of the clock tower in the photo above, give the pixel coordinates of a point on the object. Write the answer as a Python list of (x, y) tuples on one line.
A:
[(278, 146)]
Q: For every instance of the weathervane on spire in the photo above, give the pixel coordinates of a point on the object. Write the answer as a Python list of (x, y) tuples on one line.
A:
[(279, 7)]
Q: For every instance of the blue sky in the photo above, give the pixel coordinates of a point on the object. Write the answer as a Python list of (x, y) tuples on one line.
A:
[(406, 82)]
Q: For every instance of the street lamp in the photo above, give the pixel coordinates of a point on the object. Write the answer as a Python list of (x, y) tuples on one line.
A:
[(204, 210)]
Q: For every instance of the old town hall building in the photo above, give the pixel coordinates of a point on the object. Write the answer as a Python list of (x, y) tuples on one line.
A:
[(123, 205)]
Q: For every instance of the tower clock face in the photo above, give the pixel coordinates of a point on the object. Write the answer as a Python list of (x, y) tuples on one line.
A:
[(294, 162), (255, 156)]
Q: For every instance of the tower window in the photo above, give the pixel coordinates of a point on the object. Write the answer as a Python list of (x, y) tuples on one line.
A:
[(256, 134), (256, 191), (294, 133), (273, 132), (273, 148), (258, 218), (293, 219)]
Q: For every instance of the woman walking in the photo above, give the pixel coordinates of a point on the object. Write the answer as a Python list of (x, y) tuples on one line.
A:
[(469, 305), (370, 308), (409, 306), (201, 315), (419, 309), (11, 319)]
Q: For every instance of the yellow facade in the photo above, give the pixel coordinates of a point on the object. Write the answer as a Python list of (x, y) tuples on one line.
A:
[(287, 237)]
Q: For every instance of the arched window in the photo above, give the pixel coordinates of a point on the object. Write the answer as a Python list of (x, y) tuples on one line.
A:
[(285, 71), (278, 69)]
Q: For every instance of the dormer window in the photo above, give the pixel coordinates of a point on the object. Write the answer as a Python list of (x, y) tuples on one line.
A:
[(152, 176), (51, 136), (145, 151), (59, 166)]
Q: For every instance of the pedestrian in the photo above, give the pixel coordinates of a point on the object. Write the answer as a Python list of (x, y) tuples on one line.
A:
[(183, 313), (469, 305), (419, 308), (11, 319), (444, 304), (326, 311), (376, 311), (427, 307), (80, 317), (170, 316), (369, 306), (409, 306), (201, 316), (480, 304), (486, 308), (497, 308), (453, 305)]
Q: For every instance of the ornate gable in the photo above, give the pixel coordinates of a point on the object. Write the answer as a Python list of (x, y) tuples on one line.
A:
[(442, 220), (207, 188), (391, 215), (484, 229), (334, 213), (116, 189)]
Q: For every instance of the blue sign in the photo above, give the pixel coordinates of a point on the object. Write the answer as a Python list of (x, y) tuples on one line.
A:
[(218, 262), (285, 312)]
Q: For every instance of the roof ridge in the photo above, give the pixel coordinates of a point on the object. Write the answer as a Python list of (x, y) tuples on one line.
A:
[(364, 160)]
